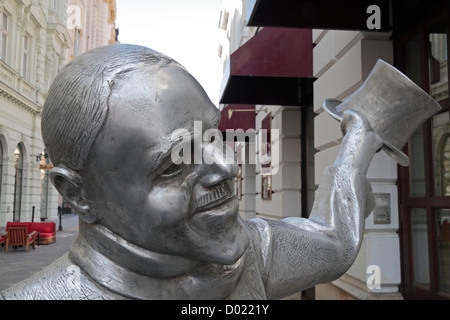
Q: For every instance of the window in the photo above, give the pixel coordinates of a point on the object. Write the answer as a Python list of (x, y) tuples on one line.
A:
[(25, 56), (54, 5), (419, 247), (4, 39), (442, 217), (266, 159), (422, 53), (76, 47), (238, 183), (438, 68), (18, 156), (223, 21)]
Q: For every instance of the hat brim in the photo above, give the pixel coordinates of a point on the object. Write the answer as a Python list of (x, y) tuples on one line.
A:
[(332, 107)]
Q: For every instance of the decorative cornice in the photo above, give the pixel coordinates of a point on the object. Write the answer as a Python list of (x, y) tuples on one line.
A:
[(39, 15), (21, 102), (61, 32)]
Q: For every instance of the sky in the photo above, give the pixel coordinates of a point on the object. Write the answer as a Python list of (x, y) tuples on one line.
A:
[(185, 30)]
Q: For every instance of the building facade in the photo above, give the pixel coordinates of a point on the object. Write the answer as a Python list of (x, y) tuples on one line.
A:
[(92, 24), (33, 48), (404, 254), (37, 40), (271, 190)]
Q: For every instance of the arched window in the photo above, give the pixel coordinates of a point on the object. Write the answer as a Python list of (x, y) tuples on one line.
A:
[(18, 164)]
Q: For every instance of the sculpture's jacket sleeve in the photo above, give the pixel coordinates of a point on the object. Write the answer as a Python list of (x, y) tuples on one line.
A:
[(297, 253)]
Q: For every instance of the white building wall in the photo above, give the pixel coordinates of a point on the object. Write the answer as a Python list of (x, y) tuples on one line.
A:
[(22, 95), (286, 157), (95, 27), (342, 61), (233, 30), (247, 205)]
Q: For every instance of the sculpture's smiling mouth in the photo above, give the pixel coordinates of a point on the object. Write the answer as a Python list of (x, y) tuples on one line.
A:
[(213, 197), (215, 212)]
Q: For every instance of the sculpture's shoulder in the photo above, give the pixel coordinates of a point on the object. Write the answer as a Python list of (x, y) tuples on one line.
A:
[(261, 236), (62, 280)]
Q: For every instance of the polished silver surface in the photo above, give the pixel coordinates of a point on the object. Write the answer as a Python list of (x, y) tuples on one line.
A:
[(393, 104), (150, 229)]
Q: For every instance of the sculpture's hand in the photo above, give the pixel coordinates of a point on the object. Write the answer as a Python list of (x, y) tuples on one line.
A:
[(360, 142), (354, 121)]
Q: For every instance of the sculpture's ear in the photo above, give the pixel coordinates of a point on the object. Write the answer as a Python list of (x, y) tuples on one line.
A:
[(69, 184)]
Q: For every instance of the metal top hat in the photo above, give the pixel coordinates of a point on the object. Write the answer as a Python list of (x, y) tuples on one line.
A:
[(393, 104)]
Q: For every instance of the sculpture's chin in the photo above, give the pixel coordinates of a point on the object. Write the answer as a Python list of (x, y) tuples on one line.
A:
[(223, 238)]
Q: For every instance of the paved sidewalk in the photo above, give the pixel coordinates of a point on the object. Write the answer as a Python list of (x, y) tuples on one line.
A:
[(19, 265)]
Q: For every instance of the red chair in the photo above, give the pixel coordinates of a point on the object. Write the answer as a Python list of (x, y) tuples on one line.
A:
[(3, 238), (19, 236)]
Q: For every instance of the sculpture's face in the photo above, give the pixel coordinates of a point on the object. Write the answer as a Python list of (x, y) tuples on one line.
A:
[(188, 209)]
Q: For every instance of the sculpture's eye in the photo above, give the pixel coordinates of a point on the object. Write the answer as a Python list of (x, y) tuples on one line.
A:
[(173, 170)]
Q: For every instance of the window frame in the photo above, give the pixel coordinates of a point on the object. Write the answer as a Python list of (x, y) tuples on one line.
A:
[(26, 53), (4, 33), (18, 182), (430, 202)]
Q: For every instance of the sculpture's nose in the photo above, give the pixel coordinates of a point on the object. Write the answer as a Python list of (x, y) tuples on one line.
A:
[(218, 165)]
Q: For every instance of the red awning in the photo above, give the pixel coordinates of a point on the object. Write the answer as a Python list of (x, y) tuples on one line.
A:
[(270, 68), (320, 14)]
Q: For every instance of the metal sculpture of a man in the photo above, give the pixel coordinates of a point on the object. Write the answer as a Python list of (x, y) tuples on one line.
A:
[(151, 228)]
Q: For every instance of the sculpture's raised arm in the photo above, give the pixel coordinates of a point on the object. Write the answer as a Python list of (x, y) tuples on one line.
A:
[(305, 252), (299, 253)]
